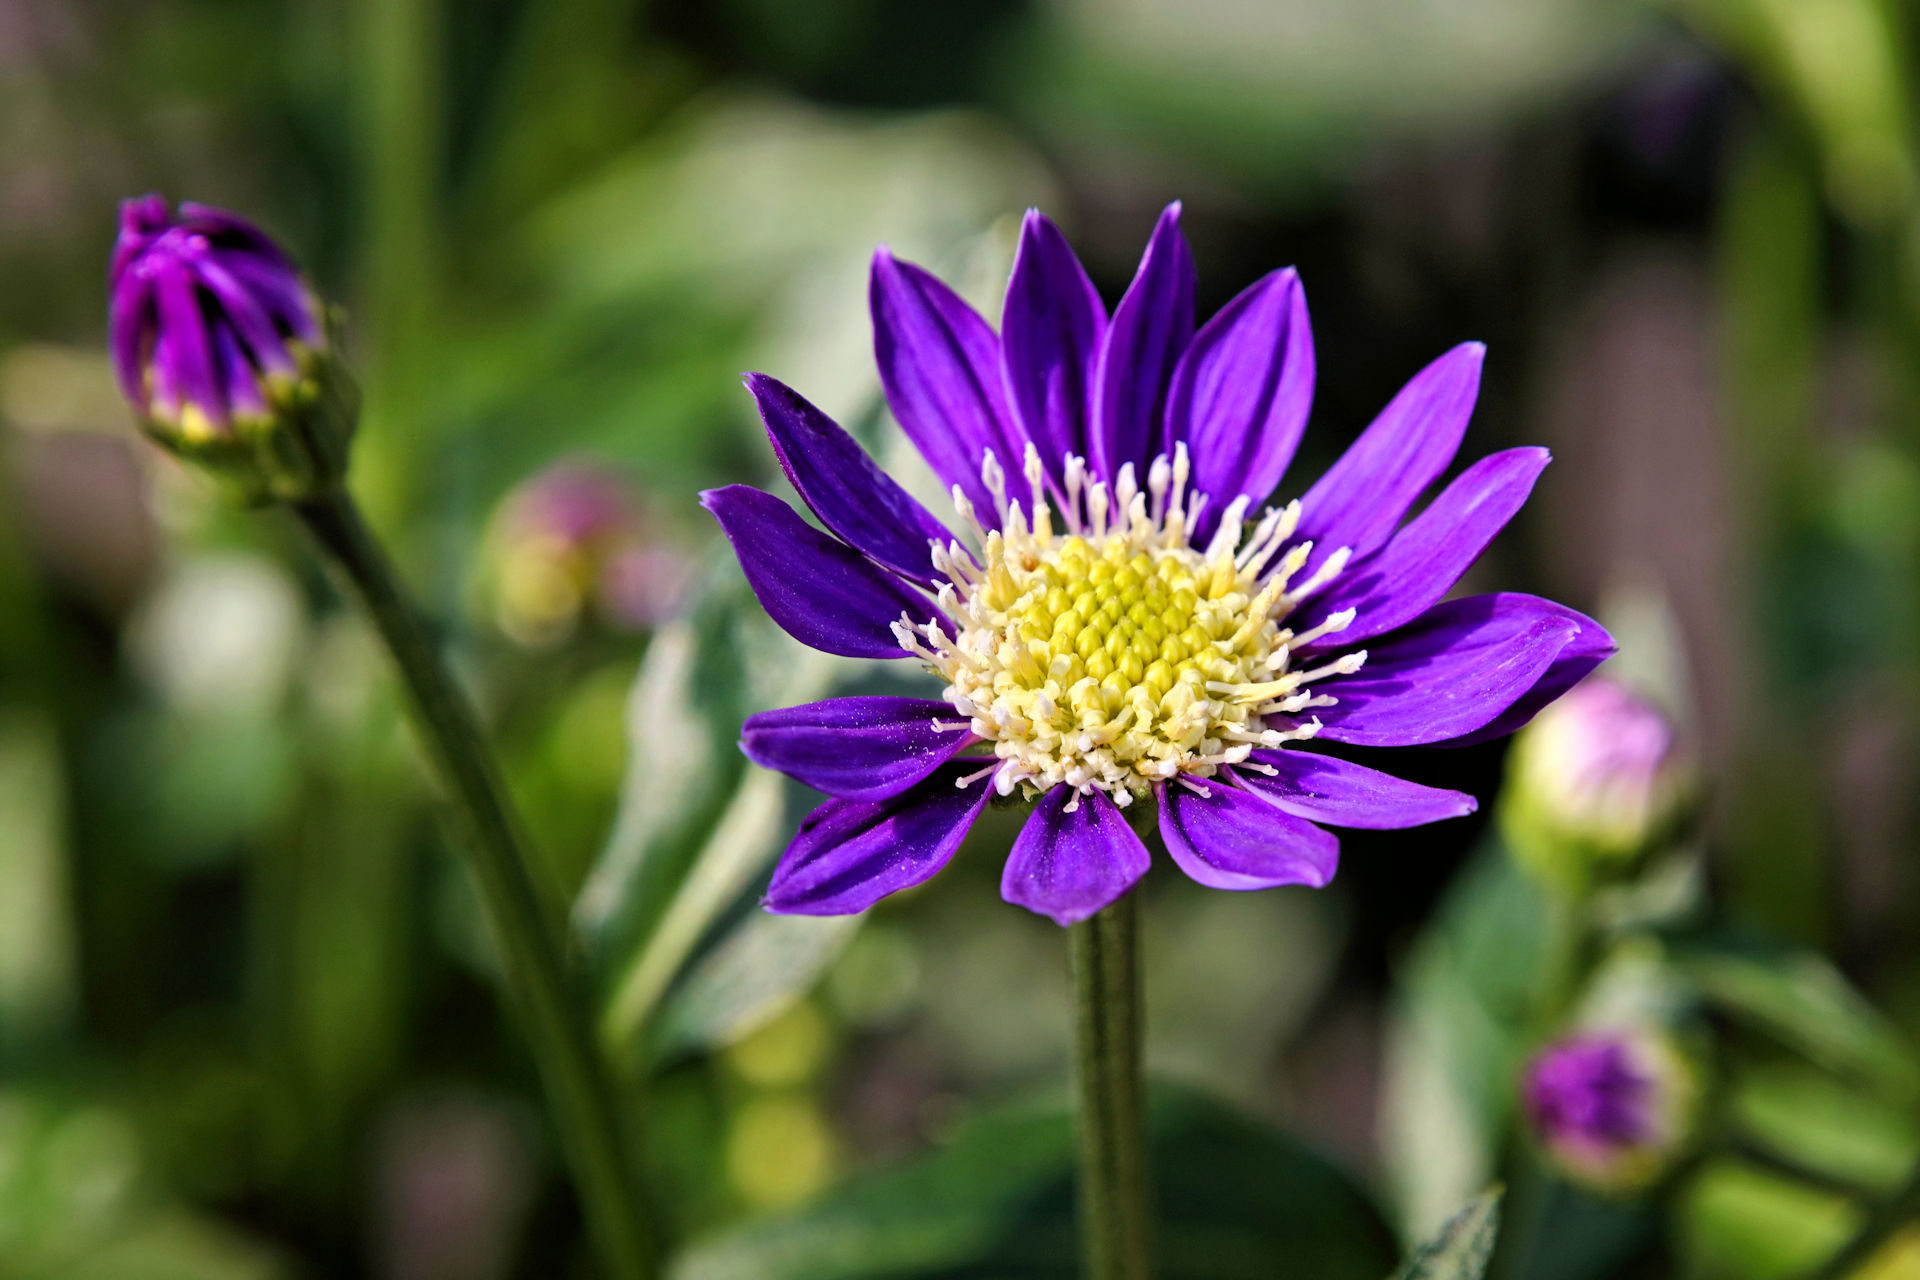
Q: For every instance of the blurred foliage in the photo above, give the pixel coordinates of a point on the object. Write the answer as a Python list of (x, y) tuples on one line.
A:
[(997, 1200), (1463, 1247), (247, 1024)]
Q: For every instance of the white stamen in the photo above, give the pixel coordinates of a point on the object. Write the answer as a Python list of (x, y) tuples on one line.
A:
[(971, 778), (1124, 487), (1076, 477), (1329, 569)]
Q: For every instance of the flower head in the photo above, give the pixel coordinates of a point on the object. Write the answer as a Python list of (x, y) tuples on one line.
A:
[(574, 540), (221, 348), (1118, 623), (1609, 1107), (1598, 778)]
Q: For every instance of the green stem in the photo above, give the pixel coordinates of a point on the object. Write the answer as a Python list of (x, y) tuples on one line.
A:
[(582, 1102), (1114, 1218), (1563, 966), (1885, 1221)]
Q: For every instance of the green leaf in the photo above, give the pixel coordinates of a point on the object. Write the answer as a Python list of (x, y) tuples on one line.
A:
[(1233, 1196), (1801, 1000), (696, 825), (1737, 1222), (1455, 1039), (1463, 1248), (79, 1200), (1814, 1122), (687, 705), (749, 977)]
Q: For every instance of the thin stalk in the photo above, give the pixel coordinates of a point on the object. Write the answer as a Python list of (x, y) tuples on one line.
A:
[(1115, 1219), (1883, 1222), (590, 1126)]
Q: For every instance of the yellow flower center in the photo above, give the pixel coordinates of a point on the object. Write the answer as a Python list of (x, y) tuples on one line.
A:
[(1116, 655)]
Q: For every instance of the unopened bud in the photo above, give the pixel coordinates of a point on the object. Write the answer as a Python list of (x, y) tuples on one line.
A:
[(1610, 1107), (573, 543), (1596, 780), (222, 350)]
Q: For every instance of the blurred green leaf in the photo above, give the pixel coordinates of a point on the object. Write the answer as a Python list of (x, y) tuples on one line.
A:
[(735, 234), (695, 826), (685, 711), (175, 1245), (1464, 1246), (1802, 1000), (1770, 250), (1838, 63), (78, 1202), (1455, 1040), (1815, 1122), (1553, 1230), (1279, 94), (38, 957), (1233, 1196), (1739, 1223), (753, 974), (749, 833)]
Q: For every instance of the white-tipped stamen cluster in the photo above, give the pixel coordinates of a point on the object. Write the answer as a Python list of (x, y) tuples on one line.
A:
[(1113, 654)]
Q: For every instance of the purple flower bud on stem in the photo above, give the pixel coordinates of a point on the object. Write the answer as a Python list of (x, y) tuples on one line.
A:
[(1595, 780), (222, 349), (1609, 1107), (572, 540)]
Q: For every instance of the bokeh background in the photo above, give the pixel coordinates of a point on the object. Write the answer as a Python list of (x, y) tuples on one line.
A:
[(248, 1025)]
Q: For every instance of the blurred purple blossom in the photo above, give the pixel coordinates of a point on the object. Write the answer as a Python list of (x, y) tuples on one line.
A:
[(1601, 774), (208, 318), (572, 541), (1607, 1106)]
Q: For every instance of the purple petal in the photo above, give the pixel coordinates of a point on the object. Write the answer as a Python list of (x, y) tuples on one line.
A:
[(822, 592), (240, 385), (1427, 557), (1050, 337), (1447, 673), (1241, 394), (183, 357), (940, 365), (1068, 865), (230, 232), (133, 320), (141, 219), (1358, 503), (1151, 328), (255, 327), (1587, 650), (1343, 794), (856, 748), (281, 291), (836, 478), (849, 854), (1228, 839)]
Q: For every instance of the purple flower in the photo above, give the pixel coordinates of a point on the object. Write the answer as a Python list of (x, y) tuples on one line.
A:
[(208, 318), (1595, 780), (574, 539), (1114, 620), (1609, 1107), (221, 349)]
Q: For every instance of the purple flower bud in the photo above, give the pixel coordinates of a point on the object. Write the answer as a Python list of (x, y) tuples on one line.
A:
[(574, 540), (221, 348), (1596, 778), (1609, 1107)]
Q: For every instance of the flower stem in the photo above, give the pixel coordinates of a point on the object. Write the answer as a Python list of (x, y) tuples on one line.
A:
[(1114, 1215), (1885, 1221), (590, 1126)]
